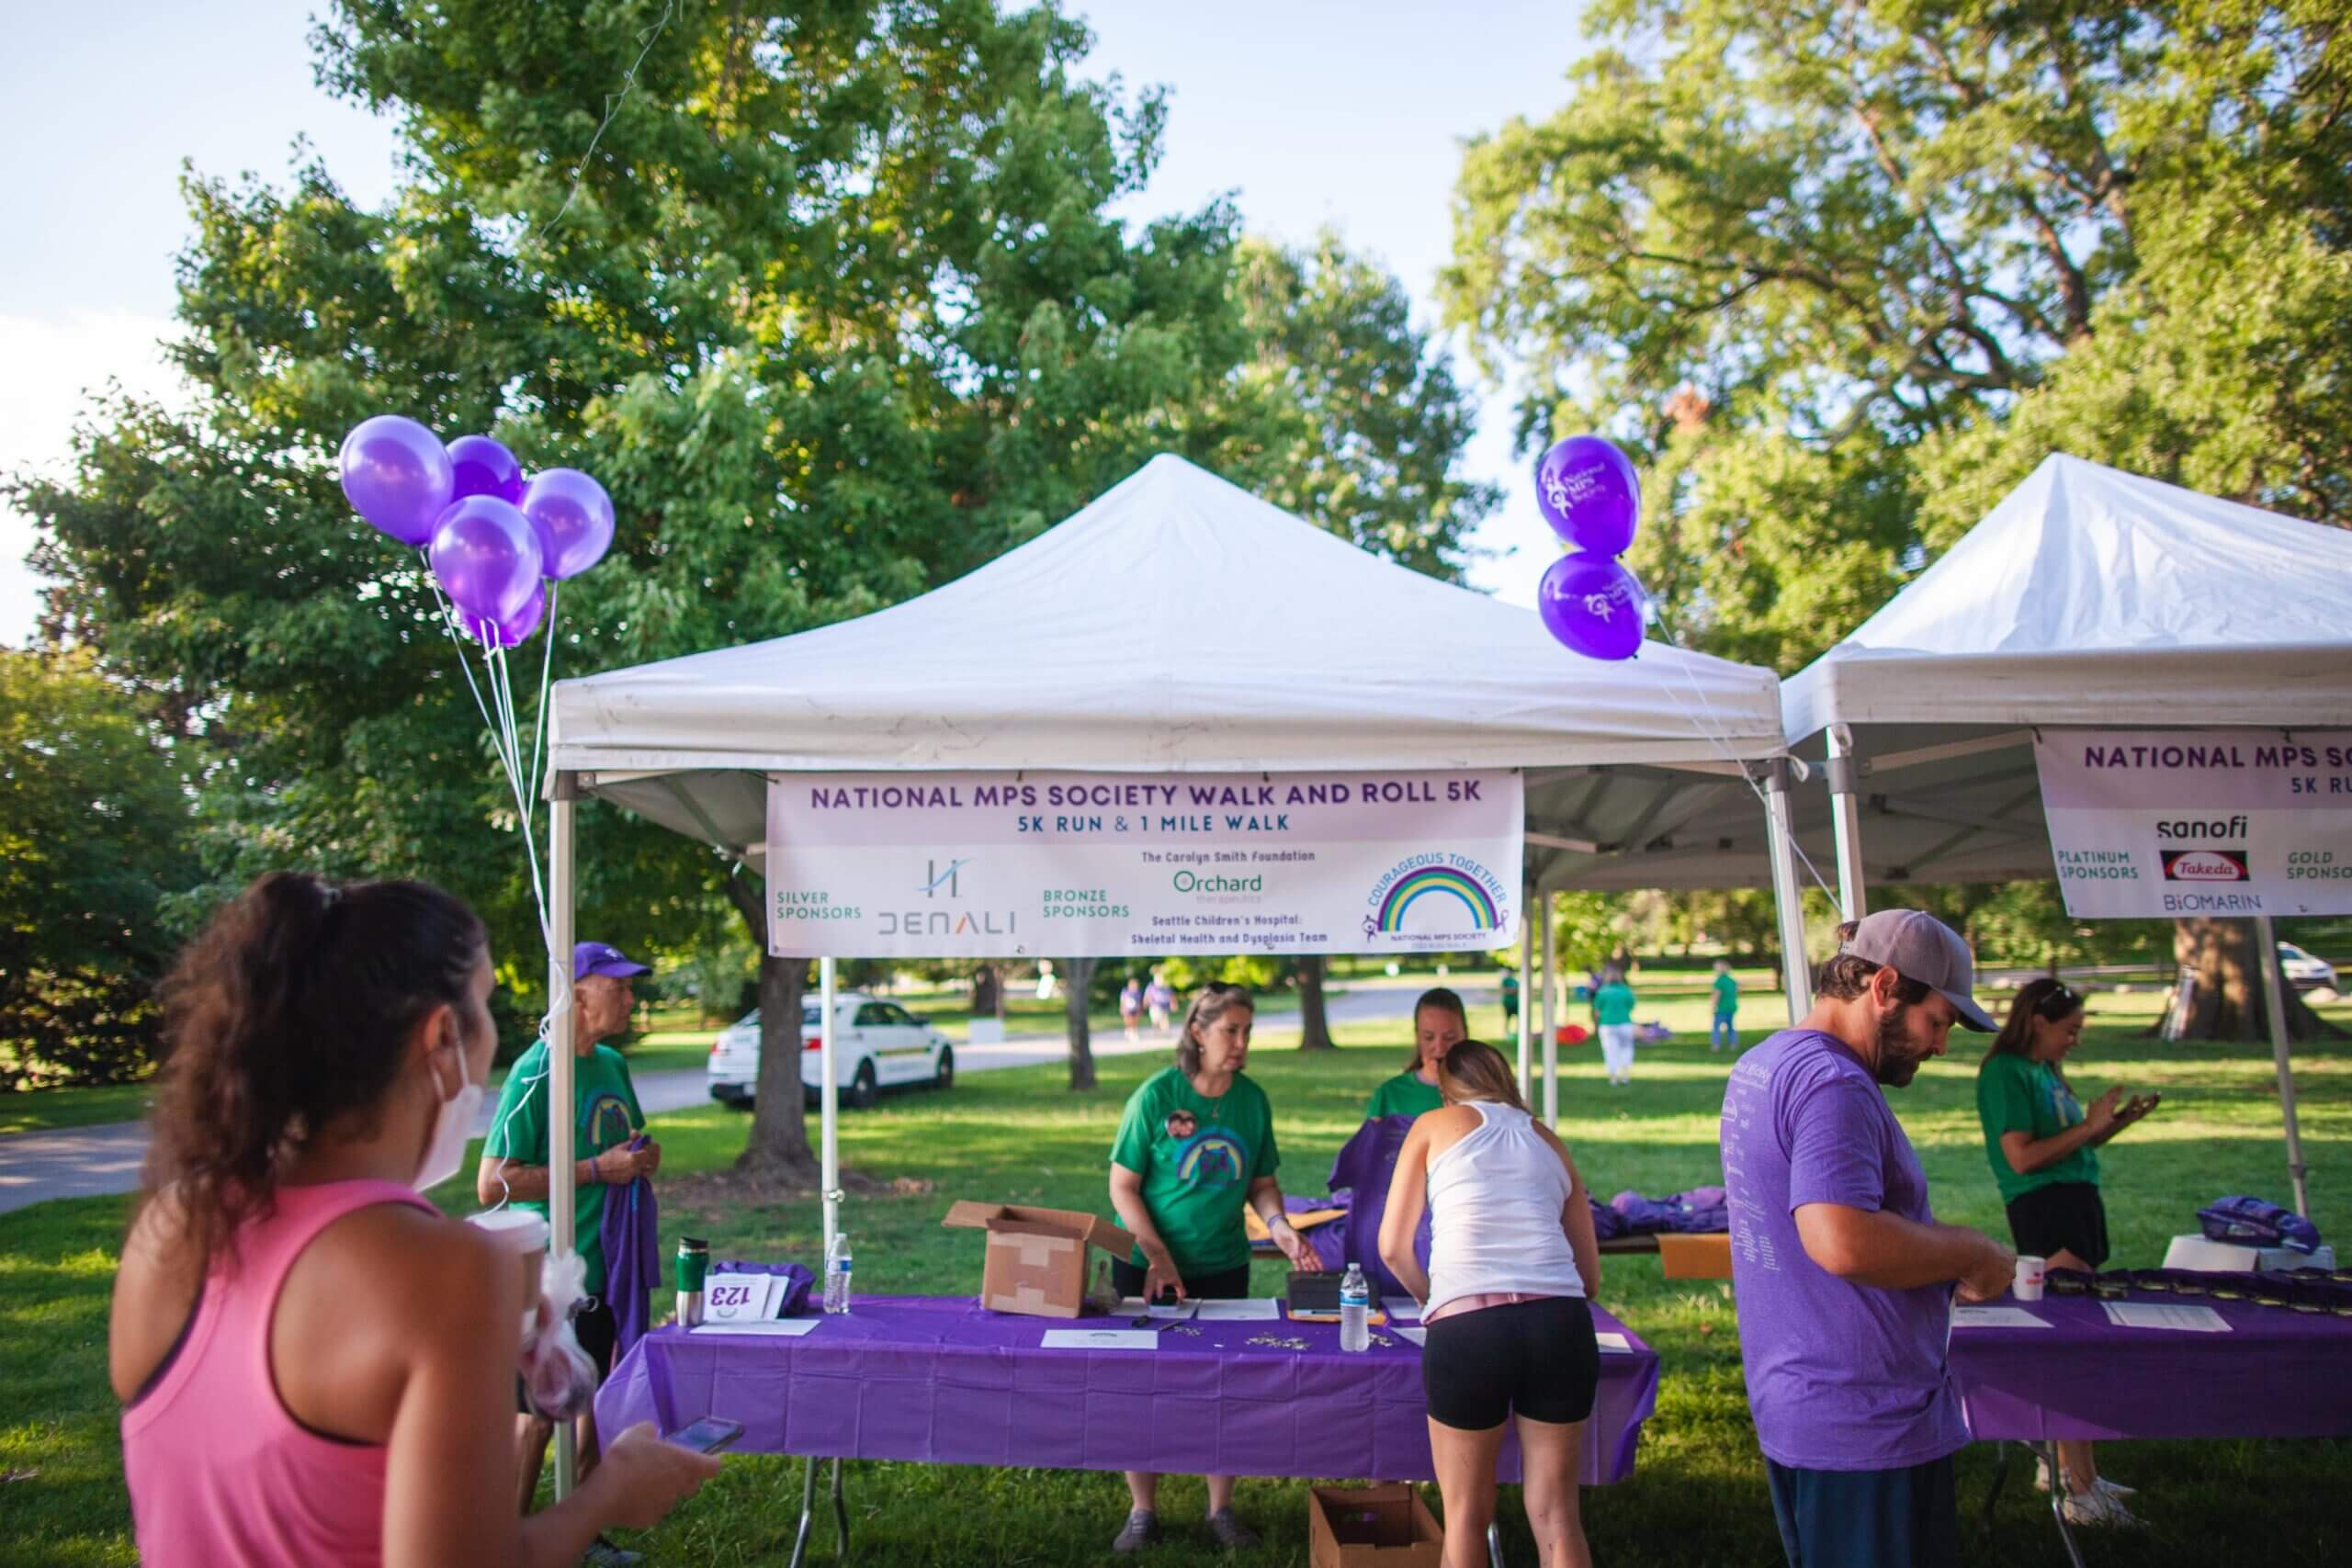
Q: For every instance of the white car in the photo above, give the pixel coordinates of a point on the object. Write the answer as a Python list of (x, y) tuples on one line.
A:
[(2304, 972), (879, 1045)]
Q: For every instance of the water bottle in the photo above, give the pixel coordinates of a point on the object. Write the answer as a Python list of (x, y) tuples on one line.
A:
[(837, 1274), (1355, 1311)]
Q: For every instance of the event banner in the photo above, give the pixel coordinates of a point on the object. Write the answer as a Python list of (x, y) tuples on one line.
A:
[(1107, 865), (2176, 822)]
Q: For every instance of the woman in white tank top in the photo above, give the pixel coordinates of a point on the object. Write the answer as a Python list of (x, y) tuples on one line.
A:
[(1513, 1258)]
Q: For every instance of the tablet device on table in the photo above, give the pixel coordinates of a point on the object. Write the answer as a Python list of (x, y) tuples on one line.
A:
[(708, 1436)]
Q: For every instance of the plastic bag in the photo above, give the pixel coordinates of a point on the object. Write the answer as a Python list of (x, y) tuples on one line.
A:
[(558, 1380)]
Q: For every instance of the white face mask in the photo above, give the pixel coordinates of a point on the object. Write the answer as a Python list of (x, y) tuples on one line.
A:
[(452, 1124)]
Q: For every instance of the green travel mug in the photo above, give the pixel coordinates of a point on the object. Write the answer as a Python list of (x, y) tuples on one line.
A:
[(694, 1266)]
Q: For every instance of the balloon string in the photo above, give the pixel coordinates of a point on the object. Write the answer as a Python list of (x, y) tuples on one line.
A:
[(547, 663), (451, 627)]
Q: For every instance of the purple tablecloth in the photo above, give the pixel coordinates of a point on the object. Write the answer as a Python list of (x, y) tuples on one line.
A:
[(2277, 1373), (941, 1381)]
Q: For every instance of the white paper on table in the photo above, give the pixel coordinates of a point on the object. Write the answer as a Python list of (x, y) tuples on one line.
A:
[(2166, 1314), (1996, 1317), (1131, 1306), (739, 1298), (1101, 1339), (1255, 1309), (786, 1327), (1616, 1342), (1415, 1335), (1401, 1309)]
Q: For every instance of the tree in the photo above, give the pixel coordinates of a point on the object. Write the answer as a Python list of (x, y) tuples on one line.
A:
[(1314, 1018), (1078, 1001), (93, 818), (2220, 995)]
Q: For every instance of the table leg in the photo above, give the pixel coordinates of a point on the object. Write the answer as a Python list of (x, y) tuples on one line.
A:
[(841, 1517), (2048, 1454), (1493, 1546), (807, 1514)]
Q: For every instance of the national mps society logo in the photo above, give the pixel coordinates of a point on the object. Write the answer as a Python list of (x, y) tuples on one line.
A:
[(1434, 894)]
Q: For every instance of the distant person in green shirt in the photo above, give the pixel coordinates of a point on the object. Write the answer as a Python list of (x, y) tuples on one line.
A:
[(2041, 1144), (1511, 1003), (1612, 1010), (1195, 1147), (606, 1116), (1724, 1031), (1440, 1023)]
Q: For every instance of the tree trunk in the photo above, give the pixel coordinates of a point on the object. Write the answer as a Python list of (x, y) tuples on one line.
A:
[(1313, 1020), (1078, 983), (2220, 961), (777, 1149)]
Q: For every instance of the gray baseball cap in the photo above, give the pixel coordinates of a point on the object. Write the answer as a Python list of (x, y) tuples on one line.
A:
[(1921, 947)]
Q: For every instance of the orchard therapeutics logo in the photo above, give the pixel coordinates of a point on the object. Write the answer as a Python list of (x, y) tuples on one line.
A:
[(2205, 865)]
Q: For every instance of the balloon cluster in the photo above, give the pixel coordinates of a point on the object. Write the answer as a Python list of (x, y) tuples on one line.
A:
[(490, 536), (1592, 497)]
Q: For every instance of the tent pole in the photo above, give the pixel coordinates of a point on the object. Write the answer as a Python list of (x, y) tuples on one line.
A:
[(1846, 820), (563, 797), (2274, 1002), (1542, 909), (1788, 898), (1526, 989), (829, 1100)]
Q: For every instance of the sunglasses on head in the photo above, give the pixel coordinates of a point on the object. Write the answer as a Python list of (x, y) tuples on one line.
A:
[(2059, 1003)]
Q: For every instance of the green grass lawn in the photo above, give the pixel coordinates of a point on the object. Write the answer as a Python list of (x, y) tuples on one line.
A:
[(1698, 1496)]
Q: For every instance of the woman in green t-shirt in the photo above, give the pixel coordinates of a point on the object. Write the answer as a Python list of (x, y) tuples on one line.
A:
[(1440, 1023), (1197, 1147), (2041, 1143)]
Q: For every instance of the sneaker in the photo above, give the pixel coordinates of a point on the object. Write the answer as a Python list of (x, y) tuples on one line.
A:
[(2042, 1475), (2117, 1488), (1141, 1529), (602, 1553), (2098, 1507), (1230, 1532)]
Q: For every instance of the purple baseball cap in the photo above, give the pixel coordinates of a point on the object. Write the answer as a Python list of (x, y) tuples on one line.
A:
[(603, 958)]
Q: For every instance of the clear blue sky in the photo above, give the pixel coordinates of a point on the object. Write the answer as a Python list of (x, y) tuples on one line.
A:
[(1311, 112)]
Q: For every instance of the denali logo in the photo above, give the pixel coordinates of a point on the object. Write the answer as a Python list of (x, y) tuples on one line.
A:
[(2205, 865)]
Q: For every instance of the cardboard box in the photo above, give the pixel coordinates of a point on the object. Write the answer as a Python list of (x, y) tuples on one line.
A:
[(1372, 1526), (1703, 1256), (1037, 1258)]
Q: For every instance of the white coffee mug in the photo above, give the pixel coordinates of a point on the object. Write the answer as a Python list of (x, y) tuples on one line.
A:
[(2031, 1270)]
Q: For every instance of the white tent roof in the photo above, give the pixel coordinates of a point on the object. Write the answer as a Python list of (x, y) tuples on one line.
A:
[(2088, 597), (1177, 625)]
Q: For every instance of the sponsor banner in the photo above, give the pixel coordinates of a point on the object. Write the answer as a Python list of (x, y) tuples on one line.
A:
[(1106, 865), (2175, 823)]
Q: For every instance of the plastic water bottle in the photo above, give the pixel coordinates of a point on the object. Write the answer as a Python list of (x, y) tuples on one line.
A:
[(1355, 1311), (837, 1274)]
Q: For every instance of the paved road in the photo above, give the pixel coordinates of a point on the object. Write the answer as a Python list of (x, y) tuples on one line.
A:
[(87, 1162)]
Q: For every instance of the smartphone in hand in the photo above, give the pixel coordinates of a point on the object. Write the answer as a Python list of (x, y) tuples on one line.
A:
[(709, 1436)]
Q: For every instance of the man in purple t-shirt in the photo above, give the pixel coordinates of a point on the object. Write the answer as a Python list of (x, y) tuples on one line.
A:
[(1843, 1278)]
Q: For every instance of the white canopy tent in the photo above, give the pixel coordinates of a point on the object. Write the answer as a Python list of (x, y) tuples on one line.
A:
[(2086, 598), (1177, 625)]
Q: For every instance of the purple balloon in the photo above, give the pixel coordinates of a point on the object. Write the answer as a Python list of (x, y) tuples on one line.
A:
[(486, 467), (398, 476), (1592, 604), (1590, 494), (574, 519), (509, 633), (487, 558)]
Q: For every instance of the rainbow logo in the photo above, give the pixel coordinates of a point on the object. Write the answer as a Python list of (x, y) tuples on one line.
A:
[(1214, 1158), (1441, 881)]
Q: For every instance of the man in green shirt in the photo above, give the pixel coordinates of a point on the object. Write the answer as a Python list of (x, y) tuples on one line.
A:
[(1724, 1030), (605, 1117), (1612, 1010)]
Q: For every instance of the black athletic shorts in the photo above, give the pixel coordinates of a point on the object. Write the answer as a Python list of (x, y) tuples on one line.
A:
[(2065, 1216), (598, 1332), (1534, 1358), (1230, 1286)]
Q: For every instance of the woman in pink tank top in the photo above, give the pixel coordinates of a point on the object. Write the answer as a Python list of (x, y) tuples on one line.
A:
[(316, 1367)]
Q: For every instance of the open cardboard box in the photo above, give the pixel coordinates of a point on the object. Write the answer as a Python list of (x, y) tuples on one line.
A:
[(1037, 1258), (1371, 1526)]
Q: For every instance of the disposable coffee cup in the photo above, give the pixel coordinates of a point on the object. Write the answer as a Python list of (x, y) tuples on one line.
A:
[(523, 1233), (2031, 1272)]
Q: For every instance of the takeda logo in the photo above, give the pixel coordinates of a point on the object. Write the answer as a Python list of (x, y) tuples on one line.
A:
[(2205, 865)]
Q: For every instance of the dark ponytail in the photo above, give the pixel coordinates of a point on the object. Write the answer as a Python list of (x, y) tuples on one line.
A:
[(290, 1011), (2048, 999)]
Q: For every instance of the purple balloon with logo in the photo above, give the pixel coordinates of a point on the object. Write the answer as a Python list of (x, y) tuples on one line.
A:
[(509, 633), (398, 476), (485, 468), (1590, 494), (487, 558), (1593, 606), (574, 519)]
